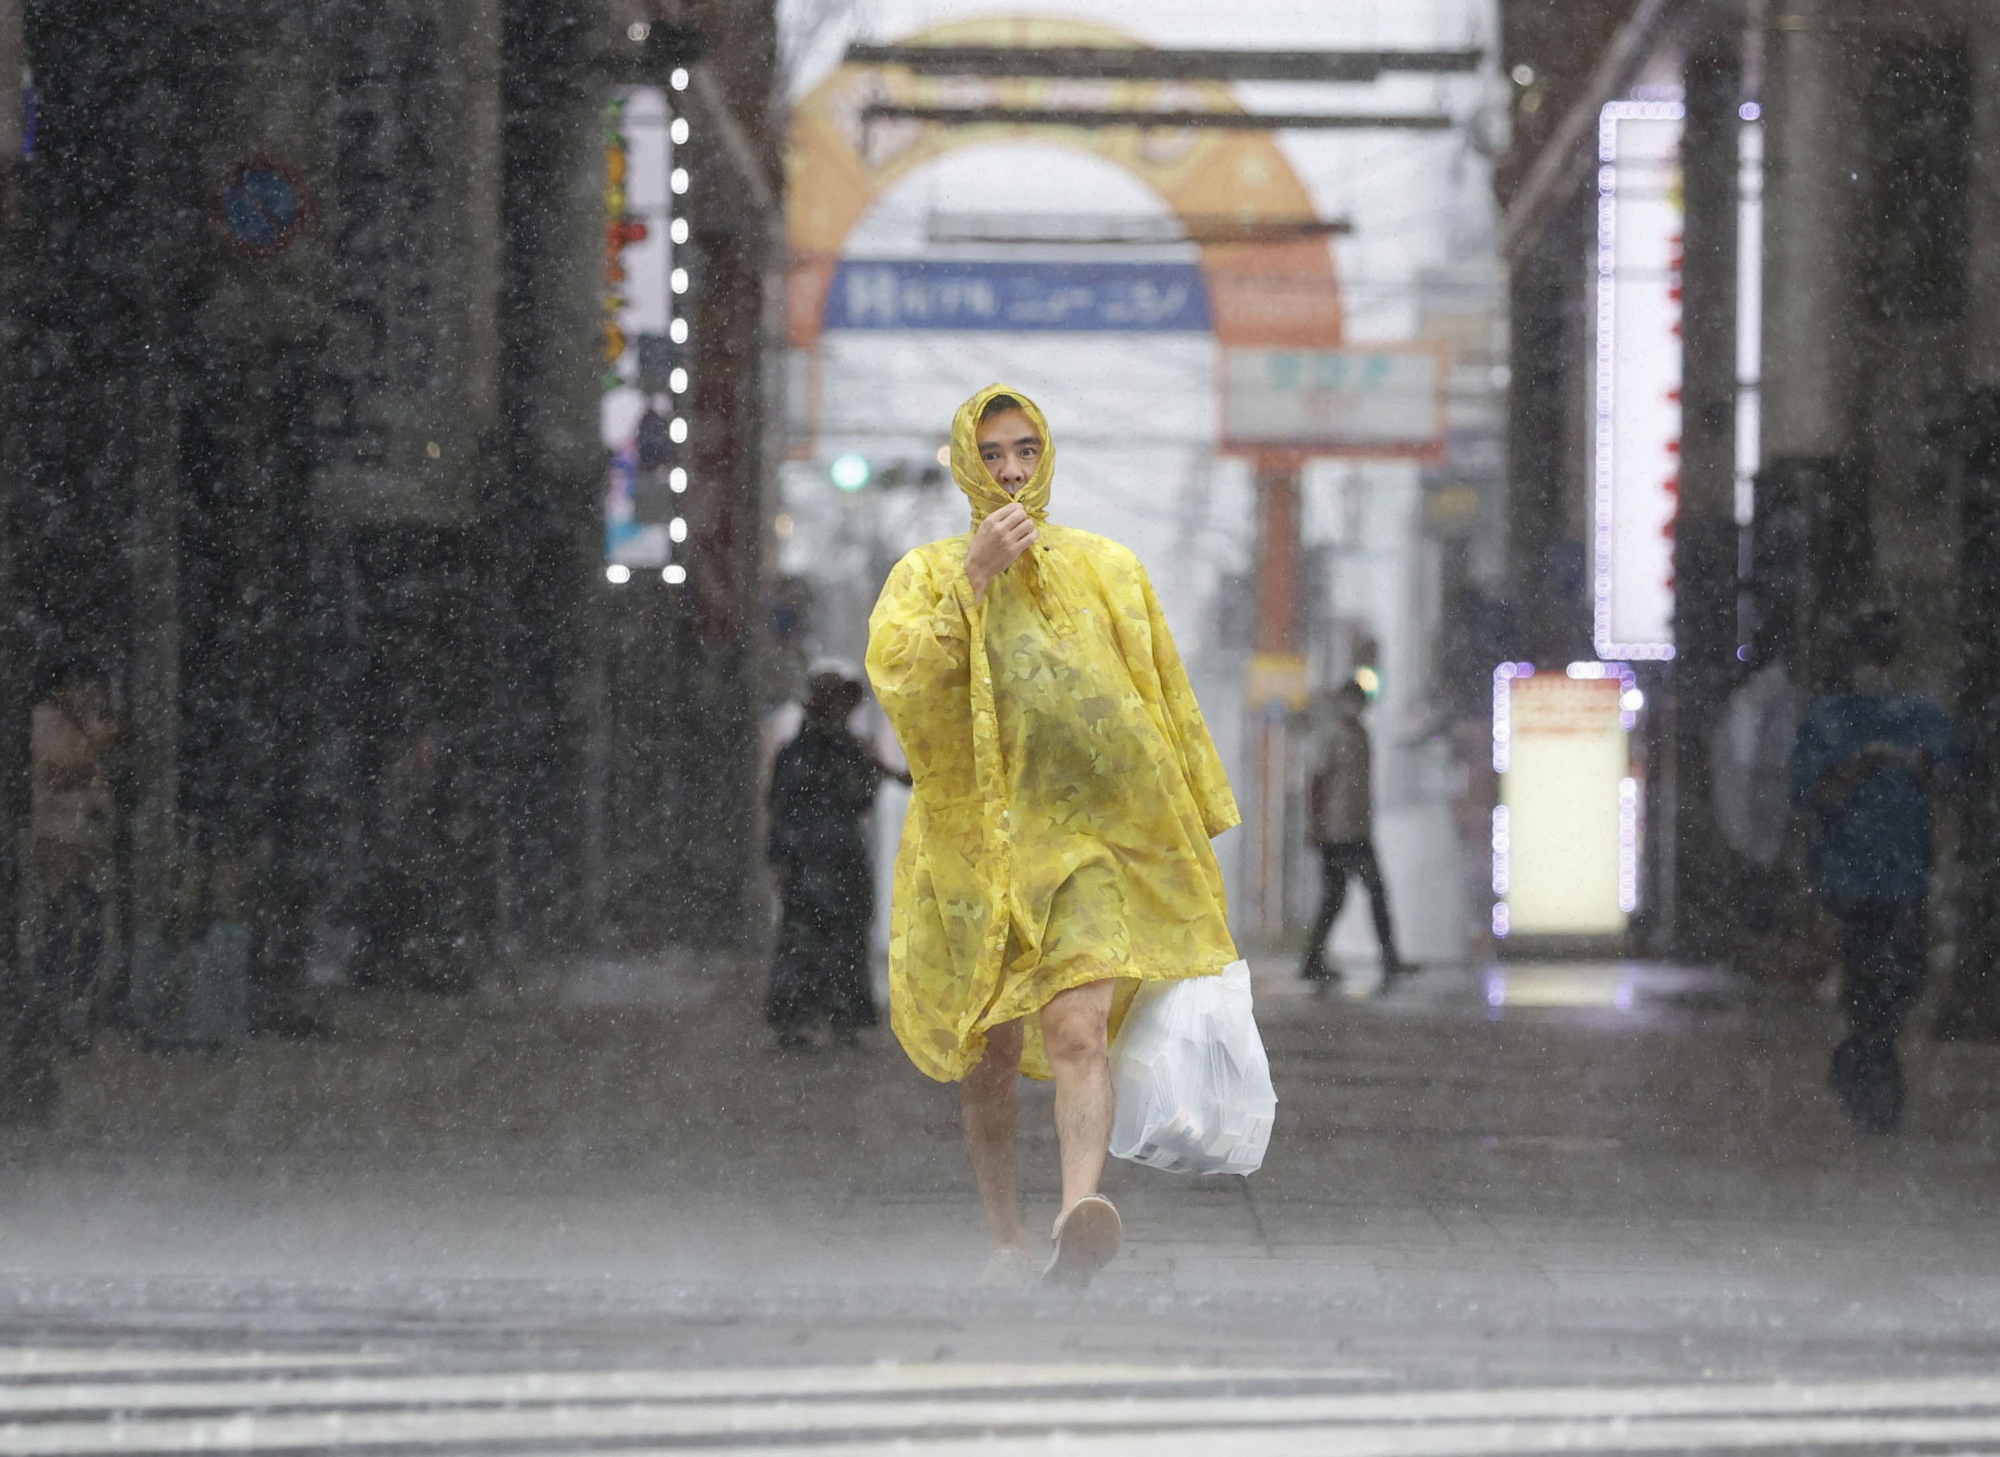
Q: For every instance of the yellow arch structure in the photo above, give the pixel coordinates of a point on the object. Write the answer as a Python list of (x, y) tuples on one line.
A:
[(1280, 294)]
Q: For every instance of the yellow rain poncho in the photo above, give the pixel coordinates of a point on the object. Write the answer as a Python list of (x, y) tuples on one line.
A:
[(1066, 786)]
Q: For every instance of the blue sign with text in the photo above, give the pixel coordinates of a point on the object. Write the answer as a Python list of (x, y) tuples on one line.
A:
[(1087, 297)]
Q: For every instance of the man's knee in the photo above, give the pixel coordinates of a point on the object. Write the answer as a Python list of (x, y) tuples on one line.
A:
[(1075, 1033)]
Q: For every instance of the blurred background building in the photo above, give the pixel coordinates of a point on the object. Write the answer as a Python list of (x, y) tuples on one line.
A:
[(1830, 261), (311, 317)]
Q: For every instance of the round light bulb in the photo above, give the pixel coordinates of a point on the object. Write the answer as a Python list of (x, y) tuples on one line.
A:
[(849, 472)]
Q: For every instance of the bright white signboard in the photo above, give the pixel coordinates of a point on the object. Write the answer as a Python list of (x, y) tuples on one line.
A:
[(1638, 378), (1360, 401), (1566, 829)]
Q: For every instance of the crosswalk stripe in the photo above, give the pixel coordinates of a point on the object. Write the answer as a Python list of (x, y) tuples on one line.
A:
[(246, 1402), (876, 1430), (557, 1386), (1423, 1419), (1486, 1440), (1189, 1392), (18, 1361)]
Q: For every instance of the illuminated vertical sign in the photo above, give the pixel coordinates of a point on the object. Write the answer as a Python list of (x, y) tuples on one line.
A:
[(643, 428), (1636, 495), (1566, 830), (1749, 309)]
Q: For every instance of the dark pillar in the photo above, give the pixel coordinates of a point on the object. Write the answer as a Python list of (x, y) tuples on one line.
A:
[(702, 769), (27, 1073), (107, 258), (1705, 539), (1810, 539), (549, 532), (1547, 299), (1971, 1005), (1811, 560)]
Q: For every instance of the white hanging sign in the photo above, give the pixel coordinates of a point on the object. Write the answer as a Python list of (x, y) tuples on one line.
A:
[(1637, 472)]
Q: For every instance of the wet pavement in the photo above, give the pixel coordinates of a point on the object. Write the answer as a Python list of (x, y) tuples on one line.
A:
[(1506, 1209)]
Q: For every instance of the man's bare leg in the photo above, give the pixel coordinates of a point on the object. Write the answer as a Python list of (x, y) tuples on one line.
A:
[(1074, 1032), (989, 1107)]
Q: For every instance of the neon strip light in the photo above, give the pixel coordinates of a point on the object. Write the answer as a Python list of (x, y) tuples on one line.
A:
[(1503, 739), (1628, 845)]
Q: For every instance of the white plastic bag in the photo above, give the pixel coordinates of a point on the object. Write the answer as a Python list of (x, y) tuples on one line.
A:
[(1193, 1086)]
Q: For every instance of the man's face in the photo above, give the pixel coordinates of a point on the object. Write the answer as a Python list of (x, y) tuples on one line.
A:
[(1011, 446)]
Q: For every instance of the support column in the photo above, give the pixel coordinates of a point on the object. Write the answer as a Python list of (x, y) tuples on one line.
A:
[(155, 679), (27, 1074), (1277, 686), (548, 537), (1809, 225), (1811, 529), (1705, 666), (1547, 299), (1971, 1006)]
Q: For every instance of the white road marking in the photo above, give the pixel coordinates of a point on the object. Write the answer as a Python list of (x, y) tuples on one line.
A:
[(67, 1361), (546, 1387), (979, 1410), (1494, 1440), (1474, 1421)]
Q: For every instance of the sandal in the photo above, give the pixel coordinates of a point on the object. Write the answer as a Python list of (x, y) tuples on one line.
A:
[(1009, 1268), (1086, 1240)]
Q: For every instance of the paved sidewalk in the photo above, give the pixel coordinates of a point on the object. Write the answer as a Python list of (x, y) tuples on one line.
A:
[(1549, 1175)]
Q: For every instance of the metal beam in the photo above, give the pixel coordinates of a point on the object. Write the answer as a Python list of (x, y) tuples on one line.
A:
[(735, 140), (1146, 63), (1241, 121), (1571, 149), (1082, 229)]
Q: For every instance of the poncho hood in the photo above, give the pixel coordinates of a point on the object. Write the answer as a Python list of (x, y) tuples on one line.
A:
[(986, 494)]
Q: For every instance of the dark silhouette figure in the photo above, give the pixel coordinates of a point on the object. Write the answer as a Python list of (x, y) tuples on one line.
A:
[(1341, 824), (1864, 765), (822, 783)]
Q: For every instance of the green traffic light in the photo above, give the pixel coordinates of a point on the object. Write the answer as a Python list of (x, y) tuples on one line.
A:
[(849, 472)]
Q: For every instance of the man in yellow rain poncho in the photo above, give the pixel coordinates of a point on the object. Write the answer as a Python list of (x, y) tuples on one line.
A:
[(1057, 850)]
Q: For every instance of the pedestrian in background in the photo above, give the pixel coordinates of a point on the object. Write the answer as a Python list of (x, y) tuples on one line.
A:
[(822, 783), (1866, 761), (1340, 821)]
